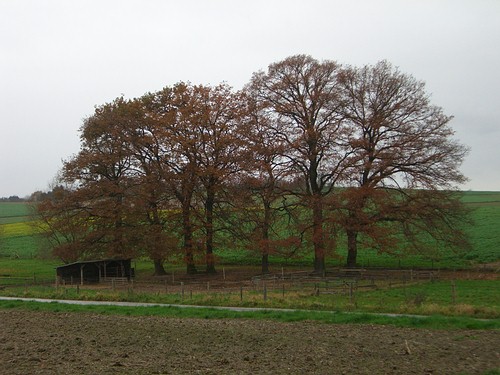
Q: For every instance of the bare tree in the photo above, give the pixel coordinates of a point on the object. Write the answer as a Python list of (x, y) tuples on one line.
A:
[(166, 172), (216, 119), (260, 193), (302, 97), (174, 146), (404, 159)]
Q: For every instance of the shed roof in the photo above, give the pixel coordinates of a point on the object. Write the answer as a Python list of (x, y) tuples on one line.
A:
[(93, 261)]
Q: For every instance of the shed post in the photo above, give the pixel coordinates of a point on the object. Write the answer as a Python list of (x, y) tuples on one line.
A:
[(81, 274)]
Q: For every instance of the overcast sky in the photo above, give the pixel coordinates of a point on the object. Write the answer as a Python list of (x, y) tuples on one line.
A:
[(60, 58)]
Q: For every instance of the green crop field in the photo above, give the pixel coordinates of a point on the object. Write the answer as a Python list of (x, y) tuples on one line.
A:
[(18, 237), (11, 212)]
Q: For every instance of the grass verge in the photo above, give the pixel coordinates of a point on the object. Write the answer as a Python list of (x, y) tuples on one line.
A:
[(431, 322), (463, 298)]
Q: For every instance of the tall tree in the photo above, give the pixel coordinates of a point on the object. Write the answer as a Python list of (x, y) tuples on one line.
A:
[(404, 159), (216, 119), (175, 145), (102, 173), (117, 195), (302, 96), (261, 191), (152, 199)]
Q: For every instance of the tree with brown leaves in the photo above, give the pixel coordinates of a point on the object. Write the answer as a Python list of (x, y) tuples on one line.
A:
[(404, 161), (216, 120), (261, 192), (302, 97)]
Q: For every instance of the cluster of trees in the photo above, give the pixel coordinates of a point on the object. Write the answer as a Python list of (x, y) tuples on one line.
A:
[(309, 152)]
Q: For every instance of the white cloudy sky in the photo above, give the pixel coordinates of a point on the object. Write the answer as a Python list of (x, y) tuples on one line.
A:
[(60, 58)]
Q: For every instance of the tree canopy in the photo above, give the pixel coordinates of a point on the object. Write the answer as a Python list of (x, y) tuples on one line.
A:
[(308, 153)]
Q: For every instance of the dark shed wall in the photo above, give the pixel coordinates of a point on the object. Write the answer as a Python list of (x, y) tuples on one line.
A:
[(94, 271)]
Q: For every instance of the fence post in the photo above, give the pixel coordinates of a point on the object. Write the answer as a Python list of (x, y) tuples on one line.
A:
[(241, 293), (351, 292), (182, 290), (453, 292)]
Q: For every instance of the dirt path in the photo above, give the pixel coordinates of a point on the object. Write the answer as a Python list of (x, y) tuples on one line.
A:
[(64, 343)]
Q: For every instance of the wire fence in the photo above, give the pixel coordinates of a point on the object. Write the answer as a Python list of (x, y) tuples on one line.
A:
[(335, 288)]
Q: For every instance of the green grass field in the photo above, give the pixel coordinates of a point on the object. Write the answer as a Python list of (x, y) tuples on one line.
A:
[(18, 239), (484, 235), (11, 212), (431, 322), (472, 298), (20, 263)]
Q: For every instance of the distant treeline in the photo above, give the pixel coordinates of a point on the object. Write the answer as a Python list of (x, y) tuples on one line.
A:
[(37, 196), (12, 198)]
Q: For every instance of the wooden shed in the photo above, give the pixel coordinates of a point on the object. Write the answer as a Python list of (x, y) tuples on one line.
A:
[(95, 271)]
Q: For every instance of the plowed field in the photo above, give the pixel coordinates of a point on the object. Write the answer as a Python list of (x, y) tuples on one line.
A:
[(71, 343)]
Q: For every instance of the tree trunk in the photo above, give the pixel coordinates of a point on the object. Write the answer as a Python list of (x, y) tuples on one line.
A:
[(265, 237), (157, 227), (188, 238), (318, 240), (352, 247), (209, 229), (265, 263), (159, 269)]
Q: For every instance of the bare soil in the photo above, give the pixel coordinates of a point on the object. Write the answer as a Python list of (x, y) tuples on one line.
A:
[(71, 343)]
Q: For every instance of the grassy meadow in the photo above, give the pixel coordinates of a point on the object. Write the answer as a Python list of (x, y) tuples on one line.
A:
[(21, 263), (19, 243), (484, 235), (326, 317), (473, 298), (18, 238), (14, 212)]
